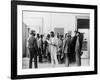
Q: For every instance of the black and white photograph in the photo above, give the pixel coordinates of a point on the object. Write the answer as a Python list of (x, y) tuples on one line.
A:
[(55, 39), (52, 39)]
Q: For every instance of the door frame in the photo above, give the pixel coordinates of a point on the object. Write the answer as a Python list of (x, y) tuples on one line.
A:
[(76, 28)]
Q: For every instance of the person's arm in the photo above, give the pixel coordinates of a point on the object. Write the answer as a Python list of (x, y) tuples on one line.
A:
[(48, 42), (54, 45)]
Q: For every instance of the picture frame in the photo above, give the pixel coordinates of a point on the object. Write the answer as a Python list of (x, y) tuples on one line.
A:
[(16, 16)]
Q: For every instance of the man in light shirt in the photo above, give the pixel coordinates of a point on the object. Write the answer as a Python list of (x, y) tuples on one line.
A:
[(53, 47)]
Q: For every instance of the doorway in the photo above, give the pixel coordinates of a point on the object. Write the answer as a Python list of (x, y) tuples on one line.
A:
[(84, 28)]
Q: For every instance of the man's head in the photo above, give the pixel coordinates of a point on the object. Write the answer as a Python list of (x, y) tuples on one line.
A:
[(66, 35), (38, 35), (78, 33), (32, 32), (52, 34), (41, 36), (58, 35), (69, 36), (75, 32), (48, 36)]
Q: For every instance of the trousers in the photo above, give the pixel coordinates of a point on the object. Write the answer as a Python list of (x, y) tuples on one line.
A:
[(33, 55), (54, 55)]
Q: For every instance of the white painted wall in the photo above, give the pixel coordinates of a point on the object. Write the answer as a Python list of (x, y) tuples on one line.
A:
[(51, 20), (44, 20)]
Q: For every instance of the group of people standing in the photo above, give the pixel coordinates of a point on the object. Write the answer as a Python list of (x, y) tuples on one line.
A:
[(55, 48)]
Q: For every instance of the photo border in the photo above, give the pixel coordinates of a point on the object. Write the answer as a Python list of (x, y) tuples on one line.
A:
[(14, 38)]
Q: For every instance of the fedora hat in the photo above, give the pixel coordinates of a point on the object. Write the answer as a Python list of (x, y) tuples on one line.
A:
[(32, 32)]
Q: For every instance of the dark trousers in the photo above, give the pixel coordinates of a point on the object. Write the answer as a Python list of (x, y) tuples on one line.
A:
[(40, 54), (59, 58), (33, 55), (71, 56), (78, 58), (48, 57), (66, 59)]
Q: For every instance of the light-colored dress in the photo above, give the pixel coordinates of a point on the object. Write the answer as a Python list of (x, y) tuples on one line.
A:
[(53, 50)]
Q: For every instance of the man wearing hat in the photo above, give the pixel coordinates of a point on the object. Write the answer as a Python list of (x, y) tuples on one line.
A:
[(32, 46), (72, 46), (78, 48)]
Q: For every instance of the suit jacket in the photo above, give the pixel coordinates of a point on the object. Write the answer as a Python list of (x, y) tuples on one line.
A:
[(32, 43), (73, 44), (66, 45), (81, 40)]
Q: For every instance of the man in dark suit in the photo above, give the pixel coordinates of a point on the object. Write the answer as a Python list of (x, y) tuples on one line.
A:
[(78, 48), (32, 46), (72, 47)]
